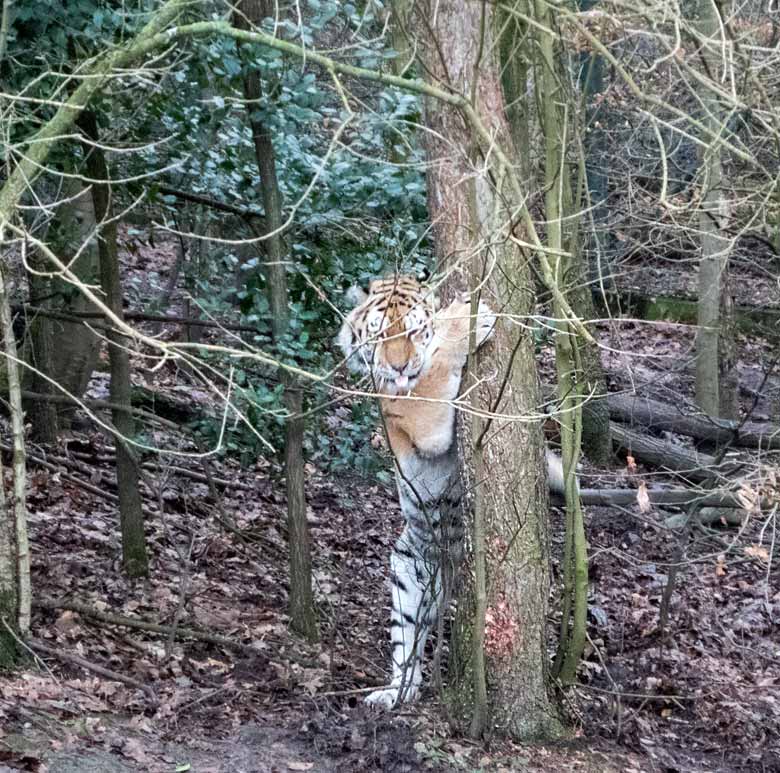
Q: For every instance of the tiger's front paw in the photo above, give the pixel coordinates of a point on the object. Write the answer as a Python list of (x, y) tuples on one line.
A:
[(392, 696), (383, 699), (486, 323)]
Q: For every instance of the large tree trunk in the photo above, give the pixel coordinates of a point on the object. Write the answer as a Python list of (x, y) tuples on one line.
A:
[(134, 555), (467, 211), (303, 618)]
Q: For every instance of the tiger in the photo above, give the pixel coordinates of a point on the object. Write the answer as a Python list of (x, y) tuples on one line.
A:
[(409, 348)]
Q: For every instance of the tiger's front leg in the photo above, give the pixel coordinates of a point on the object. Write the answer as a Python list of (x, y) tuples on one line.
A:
[(414, 583)]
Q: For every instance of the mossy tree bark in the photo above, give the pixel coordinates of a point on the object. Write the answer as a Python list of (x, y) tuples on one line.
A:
[(522, 65), (470, 232), (303, 616), (134, 554), (399, 37)]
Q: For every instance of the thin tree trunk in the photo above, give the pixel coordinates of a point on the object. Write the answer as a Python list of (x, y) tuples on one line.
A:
[(515, 71), (595, 145), (9, 586), (4, 25), (595, 263), (715, 351), (134, 553), (592, 383), (303, 617), (173, 282), (72, 360), (459, 53), (43, 414), (21, 555), (556, 126), (400, 38), (400, 10)]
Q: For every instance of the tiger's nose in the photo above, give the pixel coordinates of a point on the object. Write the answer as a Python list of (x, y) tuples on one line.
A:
[(398, 353)]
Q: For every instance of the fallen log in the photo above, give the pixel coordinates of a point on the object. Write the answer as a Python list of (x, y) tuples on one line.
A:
[(677, 497), (687, 463), (631, 301), (96, 404), (636, 410), (175, 408), (708, 516)]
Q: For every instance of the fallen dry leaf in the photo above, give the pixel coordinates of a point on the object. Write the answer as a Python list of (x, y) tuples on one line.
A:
[(757, 551), (643, 498)]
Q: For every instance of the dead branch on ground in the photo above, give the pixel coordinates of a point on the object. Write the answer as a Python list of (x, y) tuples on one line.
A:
[(646, 412), (114, 676)]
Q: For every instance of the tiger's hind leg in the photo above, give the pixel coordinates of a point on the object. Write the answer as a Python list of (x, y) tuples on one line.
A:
[(414, 582)]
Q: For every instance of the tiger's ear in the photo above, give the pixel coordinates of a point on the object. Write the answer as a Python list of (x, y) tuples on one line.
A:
[(423, 275), (355, 295)]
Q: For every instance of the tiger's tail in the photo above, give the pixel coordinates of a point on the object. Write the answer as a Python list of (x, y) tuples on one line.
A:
[(555, 472)]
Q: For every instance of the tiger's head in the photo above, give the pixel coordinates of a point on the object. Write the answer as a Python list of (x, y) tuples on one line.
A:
[(389, 332)]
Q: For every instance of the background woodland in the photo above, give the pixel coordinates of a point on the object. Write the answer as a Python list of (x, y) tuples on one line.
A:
[(198, 506)]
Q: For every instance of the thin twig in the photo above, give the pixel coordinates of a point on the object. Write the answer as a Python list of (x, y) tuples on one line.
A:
[(355, 691)]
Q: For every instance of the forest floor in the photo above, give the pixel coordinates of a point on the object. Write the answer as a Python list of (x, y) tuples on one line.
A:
[(702, 697)]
